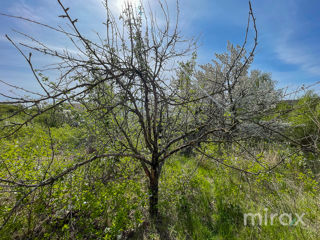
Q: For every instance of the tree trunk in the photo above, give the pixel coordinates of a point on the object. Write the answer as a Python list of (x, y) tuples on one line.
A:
[(154, 194)]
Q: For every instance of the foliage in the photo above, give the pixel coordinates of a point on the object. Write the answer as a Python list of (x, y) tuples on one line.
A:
[(118, 134)]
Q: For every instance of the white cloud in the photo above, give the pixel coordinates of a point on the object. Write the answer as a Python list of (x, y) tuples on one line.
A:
[(283, 29), (300, 54), (20, 8)]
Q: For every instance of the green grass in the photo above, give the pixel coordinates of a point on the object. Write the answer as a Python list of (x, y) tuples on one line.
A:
[(108, 199)]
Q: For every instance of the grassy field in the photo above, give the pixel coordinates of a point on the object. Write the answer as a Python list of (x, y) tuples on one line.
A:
[(108, 198)]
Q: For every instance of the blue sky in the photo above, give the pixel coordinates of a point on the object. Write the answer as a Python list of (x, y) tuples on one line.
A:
[(289, 33)]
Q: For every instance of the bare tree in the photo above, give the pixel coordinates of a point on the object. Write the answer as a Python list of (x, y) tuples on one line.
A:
[(126, 82)]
